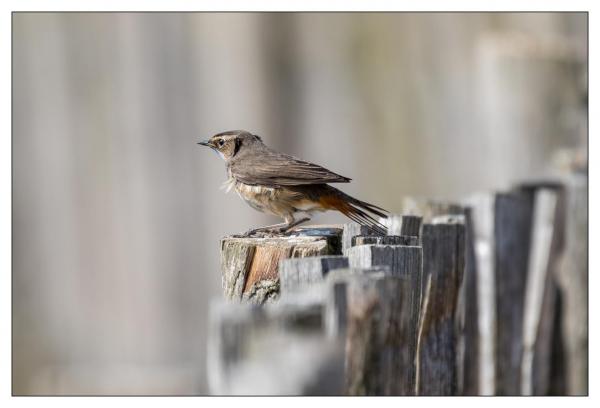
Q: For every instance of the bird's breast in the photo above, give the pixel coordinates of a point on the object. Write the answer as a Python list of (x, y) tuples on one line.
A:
[(274, 200)]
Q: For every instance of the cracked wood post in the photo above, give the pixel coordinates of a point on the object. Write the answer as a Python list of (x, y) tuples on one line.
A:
[(443, 264), (249, 266), (405, 263), (512, 241)]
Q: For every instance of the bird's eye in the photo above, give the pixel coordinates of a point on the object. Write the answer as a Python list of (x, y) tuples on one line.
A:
[(221, 142)]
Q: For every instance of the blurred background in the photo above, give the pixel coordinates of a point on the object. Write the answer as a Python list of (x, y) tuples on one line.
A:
[(117, 213)]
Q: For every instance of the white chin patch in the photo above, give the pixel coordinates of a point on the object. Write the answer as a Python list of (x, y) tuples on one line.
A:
[(219, 154)]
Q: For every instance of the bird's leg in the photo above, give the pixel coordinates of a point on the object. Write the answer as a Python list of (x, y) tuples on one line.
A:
[(289, 223), (288, 227), (269, 228)]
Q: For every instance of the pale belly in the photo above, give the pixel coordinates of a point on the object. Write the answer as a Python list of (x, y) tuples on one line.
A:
[(278, 201)]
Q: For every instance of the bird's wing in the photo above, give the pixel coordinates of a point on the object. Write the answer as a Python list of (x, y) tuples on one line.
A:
[(276, 169)]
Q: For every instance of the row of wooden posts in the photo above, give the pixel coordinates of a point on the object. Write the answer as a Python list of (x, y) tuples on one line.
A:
[(484, 297)]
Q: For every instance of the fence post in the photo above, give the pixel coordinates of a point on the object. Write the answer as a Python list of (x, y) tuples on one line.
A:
[(405, 262), (540, 295), (249, 266), (512, 240), (379, 341), (443, 266), (572, 278), (276, 349)]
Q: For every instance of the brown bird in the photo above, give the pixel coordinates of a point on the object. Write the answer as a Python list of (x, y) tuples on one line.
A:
[(283, 185)]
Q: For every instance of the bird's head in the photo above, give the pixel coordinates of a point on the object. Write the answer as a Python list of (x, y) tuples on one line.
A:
[(229, 144)]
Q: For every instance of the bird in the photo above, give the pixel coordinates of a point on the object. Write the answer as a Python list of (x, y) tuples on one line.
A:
[(283, 185)]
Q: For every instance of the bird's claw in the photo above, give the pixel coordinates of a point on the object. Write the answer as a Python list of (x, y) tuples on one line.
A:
[(266, 232)]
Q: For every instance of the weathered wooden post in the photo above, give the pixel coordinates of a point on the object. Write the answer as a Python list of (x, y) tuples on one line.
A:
[(443, 265), (406, 225), (298, 273), (572, 278), (483, 297), (275, 349), (405, 263), (249, 266), (540, 295), (512, 239), (468, 317)]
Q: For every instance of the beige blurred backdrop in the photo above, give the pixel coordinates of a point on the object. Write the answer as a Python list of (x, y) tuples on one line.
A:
[(117, 213)]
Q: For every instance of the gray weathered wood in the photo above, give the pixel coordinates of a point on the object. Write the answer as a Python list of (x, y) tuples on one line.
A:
[(409, 225), (379, 342), (537, 280), (249, 266), (512, 230), (385, 240), (301, 272), (468, 316), (572, 278), (353, 229), (337, 301), (279, 349), (482, 214), (443, 265), (404, 262), (548, 373)]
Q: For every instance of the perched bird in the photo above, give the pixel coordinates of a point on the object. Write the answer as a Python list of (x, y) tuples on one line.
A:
[(283, 185)]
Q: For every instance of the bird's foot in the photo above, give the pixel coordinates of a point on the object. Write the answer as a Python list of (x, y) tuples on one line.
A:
[(277, 230)]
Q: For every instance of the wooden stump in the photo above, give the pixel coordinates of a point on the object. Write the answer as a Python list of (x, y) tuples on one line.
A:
[(249, 266)]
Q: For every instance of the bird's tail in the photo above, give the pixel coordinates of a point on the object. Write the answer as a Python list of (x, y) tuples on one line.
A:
[(358, 211)]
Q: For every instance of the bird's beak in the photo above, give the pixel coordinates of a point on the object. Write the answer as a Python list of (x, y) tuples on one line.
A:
[(205, 143)]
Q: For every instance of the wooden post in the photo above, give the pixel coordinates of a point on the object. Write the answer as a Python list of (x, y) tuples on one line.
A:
[(540, 306), (379, 341), (548, 373), (573, 278), (298, 273), (272, 350), (512, 230), (404, 262), (336, 304), (249, 266), (482, 215), (385, 240), (353, 229), (443, 264), (408, 225), (468, 316), (411, 225)]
